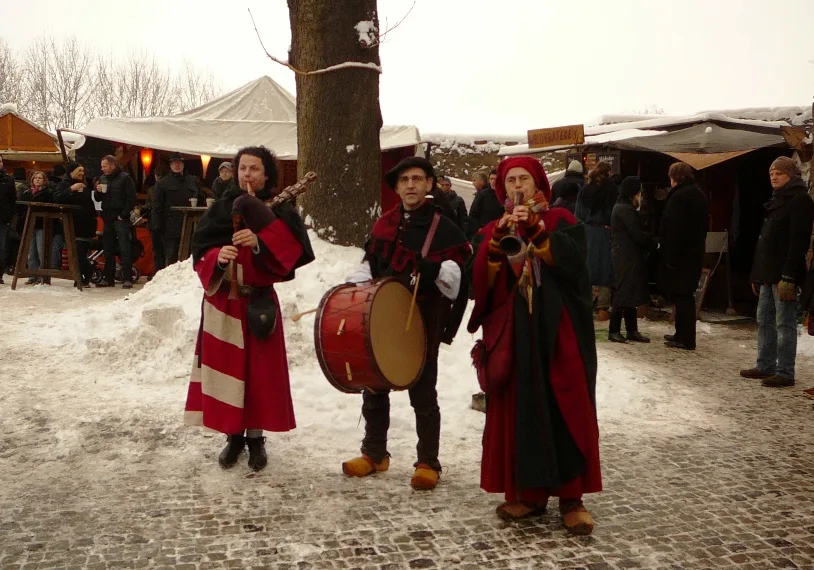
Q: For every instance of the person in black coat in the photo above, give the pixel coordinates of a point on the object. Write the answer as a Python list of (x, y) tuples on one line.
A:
[(574, 175), (683, 238), (485, 207), (8, 202), (173, 190), (75, 190), (630, 245), (456, 203), (117, 193), (567, 199), (779, 266)]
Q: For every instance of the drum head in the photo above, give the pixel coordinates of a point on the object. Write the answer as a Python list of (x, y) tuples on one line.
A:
[(399, 354)]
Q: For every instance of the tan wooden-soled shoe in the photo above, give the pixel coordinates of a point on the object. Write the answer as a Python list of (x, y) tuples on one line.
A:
[(519, 510), (576, 518), (364, 466), (425, 478)]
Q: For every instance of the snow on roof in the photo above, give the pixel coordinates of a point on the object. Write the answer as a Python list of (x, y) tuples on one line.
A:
[(260, 100), (602, 138), (472, 139), (794, 115)]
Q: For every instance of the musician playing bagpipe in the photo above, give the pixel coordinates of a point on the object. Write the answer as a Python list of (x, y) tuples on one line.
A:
[(537, 360), (241, 248), (395, 249)]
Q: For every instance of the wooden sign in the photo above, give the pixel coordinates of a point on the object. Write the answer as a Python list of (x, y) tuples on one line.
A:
[(556, 136)]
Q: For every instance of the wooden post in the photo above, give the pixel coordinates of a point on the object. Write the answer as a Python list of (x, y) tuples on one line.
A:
[(62, 147)]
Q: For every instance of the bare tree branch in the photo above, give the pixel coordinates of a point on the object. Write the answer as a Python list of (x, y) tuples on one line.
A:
[(10, 75), (396, 25), (345, 65)]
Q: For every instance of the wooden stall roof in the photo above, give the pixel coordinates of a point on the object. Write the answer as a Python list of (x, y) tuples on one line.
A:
[(21, 135)]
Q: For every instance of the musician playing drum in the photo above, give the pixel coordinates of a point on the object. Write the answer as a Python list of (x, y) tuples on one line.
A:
[(394, 249), (240, 379)]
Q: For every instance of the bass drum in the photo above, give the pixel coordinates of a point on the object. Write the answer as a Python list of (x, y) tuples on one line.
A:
[(361, 338)]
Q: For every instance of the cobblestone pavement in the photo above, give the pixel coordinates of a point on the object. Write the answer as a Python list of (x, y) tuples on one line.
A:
[(131, 488)]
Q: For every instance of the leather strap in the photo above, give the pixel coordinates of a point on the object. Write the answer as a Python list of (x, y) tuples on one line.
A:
[(425, 249)]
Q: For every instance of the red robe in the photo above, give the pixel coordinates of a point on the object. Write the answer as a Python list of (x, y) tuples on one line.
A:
[(570, 381), (238, 381)]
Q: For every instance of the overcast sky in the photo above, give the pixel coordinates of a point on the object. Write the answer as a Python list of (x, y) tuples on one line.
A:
[(487, 66)]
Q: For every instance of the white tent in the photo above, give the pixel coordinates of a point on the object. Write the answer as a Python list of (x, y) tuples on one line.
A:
[(259, 113)]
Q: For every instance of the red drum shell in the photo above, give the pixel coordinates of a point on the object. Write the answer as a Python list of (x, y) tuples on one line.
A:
[(361, 341)]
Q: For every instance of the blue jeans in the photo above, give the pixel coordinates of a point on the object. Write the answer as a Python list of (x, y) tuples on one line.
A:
[(776, 333), (35, 253)]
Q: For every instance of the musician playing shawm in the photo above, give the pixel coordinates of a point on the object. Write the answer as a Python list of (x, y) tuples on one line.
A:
[(239, 384), (541, 437), (394, 249)]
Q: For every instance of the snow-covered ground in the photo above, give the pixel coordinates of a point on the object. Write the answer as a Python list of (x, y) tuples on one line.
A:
[(93, 390)]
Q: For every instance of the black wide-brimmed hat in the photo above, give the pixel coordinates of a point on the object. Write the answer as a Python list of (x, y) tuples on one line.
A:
[(176, 156), (392, 176)]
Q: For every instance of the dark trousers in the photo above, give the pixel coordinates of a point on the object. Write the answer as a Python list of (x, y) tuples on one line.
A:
[(685, 318), (616, 316), (171, 244), (424, 399), (85, 266), (159, 259), (4, 230), (116, 236)]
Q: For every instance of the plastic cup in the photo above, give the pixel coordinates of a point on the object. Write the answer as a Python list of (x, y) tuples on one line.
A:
[(193, 202), (103, 188), (209, 202)]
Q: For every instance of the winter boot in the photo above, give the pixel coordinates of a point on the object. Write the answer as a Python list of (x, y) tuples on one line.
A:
[(364, 466), (669, 337), (234, 447), (636, 336), (257, 452), (617, 337), (576, 517), (425, 478)]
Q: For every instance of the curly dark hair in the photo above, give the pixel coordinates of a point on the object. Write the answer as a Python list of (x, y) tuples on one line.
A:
[(269, 163)]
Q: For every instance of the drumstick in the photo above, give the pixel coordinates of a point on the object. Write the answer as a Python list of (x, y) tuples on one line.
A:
[(298, 316), (412, 303)]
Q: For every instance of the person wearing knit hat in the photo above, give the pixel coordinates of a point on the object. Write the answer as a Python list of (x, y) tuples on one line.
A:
[(537, 360), (573, 175), (631, 244), (779, 268), (74, 189), (417, 244), (223, 180)]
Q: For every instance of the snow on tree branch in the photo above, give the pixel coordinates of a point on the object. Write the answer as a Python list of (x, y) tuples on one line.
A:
[(346, 65)]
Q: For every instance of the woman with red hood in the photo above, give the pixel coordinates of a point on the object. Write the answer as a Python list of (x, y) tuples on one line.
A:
[(537, 359)]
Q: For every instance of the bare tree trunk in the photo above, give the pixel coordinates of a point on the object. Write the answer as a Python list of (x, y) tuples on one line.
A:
[(338, 116)]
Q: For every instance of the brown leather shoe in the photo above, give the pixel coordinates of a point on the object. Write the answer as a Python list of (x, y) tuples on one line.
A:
[(425, 478), (576, 518), (775, 381), (755, 374), (364, 466)]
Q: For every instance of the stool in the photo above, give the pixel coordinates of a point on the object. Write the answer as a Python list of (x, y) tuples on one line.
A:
[(191, 218), (48, 213)]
